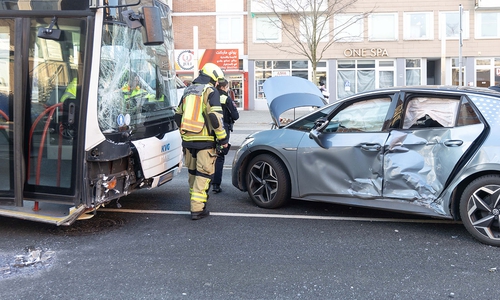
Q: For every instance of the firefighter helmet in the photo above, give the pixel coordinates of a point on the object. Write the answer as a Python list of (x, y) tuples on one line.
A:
[(213, 71)]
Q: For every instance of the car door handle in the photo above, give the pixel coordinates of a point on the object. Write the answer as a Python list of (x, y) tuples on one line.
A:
[(371, 147), (453, 143)]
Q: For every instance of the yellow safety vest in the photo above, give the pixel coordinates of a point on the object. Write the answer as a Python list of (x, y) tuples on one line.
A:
[(193, 107), (193, 126), (70, 92)]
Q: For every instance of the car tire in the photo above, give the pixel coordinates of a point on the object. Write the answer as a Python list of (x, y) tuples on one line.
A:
[(268, 182), (480, 209)]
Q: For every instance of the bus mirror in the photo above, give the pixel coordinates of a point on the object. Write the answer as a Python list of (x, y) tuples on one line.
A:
[(150, 20), (132, 19), (50, 33), (152, 31)]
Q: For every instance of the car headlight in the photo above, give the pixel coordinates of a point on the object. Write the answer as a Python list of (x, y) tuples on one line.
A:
[(247, 141), (242, 148)]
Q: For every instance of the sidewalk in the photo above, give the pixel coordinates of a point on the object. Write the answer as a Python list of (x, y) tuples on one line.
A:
[(251, 121)]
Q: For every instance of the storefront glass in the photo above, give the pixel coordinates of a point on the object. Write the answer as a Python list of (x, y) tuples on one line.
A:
[(267, 69), (413, 72), (487, 72), (455, 72), (236, 88), (354, 76)]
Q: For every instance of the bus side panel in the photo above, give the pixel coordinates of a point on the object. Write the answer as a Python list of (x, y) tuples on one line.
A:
[(159, 155)]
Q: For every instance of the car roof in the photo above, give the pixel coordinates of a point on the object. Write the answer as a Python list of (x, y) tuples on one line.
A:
[(430, 89)]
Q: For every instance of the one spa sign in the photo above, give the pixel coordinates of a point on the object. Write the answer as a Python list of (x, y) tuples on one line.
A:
[(366, 52)]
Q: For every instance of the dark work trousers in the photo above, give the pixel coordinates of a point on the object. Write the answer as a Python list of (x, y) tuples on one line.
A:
[(219, 163)]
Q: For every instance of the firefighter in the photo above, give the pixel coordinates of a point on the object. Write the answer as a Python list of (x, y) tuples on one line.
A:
[(199, 118)]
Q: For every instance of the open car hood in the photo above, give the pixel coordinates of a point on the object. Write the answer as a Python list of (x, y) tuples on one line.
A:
[(286, 92)]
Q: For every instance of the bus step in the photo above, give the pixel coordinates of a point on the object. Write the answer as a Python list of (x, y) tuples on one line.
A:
[(57, 214)]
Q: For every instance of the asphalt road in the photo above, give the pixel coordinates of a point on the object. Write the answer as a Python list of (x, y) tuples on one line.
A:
[(150, 249)]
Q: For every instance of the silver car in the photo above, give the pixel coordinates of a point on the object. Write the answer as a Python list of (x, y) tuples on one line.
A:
[(432, 151)]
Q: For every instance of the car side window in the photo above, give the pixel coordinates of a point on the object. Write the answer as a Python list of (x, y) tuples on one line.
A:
[(467, 115), (430, 112), (363, 116)]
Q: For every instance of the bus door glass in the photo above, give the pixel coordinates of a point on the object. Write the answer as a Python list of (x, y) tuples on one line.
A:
[(55, 73), (6, 93)]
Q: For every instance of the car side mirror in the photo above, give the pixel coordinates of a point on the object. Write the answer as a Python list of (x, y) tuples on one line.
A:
[(316, 136)]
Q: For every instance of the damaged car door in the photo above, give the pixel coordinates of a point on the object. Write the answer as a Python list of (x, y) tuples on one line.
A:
[(349, 161), (430, 136)]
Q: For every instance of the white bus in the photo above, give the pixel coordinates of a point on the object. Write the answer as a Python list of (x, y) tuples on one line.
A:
[(87, 101)]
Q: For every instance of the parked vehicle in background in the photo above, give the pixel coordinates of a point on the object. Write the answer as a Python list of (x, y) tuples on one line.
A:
[(427, 150), (87, 105)]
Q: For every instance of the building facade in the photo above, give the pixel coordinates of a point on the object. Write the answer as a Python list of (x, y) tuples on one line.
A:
[(212, 31), (374, 44)]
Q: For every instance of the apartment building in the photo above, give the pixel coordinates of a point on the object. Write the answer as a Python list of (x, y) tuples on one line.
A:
[(397, 43)]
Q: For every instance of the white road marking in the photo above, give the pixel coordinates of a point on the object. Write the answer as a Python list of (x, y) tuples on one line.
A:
[(276, 216)]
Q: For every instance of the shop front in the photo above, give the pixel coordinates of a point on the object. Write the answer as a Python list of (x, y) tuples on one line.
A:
[(227, 59), (363, 70)]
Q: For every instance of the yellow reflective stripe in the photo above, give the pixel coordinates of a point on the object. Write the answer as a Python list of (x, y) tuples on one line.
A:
[(221, 134), (215, 108), (199, 197), (198, 138), (223, 99)]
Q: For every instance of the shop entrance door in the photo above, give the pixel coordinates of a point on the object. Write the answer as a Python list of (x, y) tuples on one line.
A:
[(483, 78), (236, 87)]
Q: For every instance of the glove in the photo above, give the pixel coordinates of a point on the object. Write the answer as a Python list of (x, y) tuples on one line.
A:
[(221, 150)]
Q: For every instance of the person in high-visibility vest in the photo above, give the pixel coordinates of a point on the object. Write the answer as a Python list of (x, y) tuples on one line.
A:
[(70, 92), (133, 90), (230, 114), (199, 119)]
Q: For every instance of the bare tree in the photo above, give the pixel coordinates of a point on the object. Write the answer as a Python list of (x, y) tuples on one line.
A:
[(308, 25)]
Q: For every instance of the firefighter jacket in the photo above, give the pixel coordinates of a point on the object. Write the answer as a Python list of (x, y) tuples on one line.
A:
[(199, 117)]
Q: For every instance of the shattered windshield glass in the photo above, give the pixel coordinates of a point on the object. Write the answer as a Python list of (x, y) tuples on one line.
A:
[(136, 83)]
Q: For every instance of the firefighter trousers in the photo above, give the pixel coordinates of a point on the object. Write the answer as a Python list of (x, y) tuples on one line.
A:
[(201, 168)]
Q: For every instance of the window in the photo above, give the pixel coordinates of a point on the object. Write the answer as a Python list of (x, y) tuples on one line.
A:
[(467, 115), (413, 72), (230, 29), (452, 24), (354, 76), (418, 26), (487, 25), (266, 69), (348, 28), (267, 29), (383, 27), (386, 74), (455, 72), (306, 29), (365, 116), (425, 112)]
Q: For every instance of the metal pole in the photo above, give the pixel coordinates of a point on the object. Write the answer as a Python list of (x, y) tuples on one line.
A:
[(460, 43), (195, 50), (443, 50)]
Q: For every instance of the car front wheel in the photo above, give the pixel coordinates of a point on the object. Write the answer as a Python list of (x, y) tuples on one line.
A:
[(268, 181), (480, 209)]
